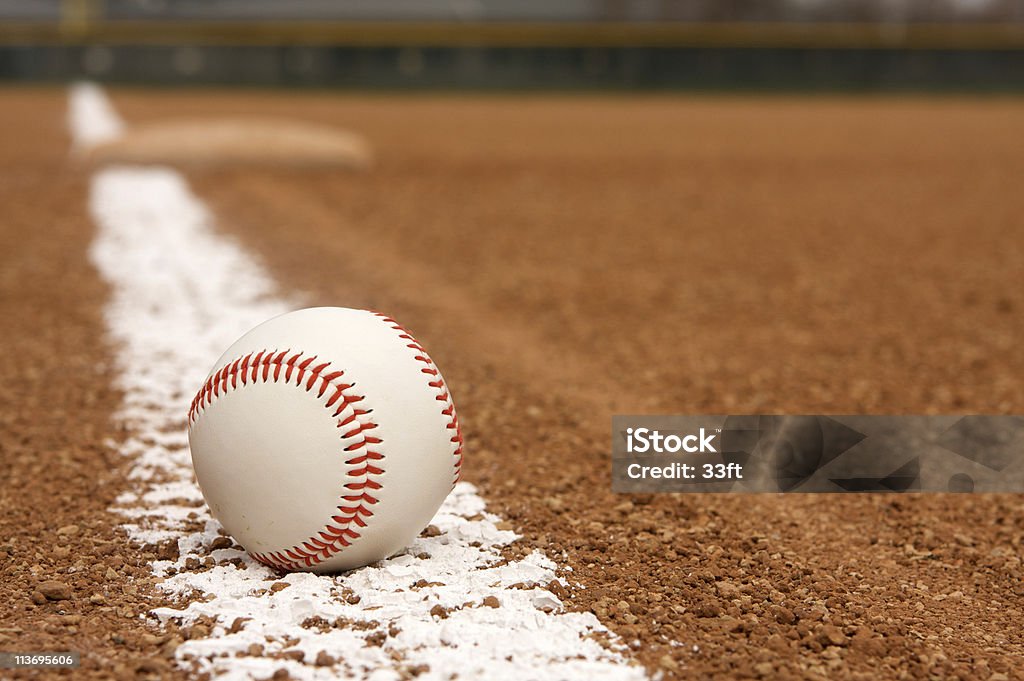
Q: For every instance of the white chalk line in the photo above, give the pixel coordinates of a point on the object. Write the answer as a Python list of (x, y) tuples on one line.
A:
[(181, 293)]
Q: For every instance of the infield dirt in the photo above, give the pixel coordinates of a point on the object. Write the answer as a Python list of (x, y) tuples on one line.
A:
[(565, 259), (68, 581)]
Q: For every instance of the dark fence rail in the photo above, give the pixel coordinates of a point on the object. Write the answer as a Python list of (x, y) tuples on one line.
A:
[(495, 56)]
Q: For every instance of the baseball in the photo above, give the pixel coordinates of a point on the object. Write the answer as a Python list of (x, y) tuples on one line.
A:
[(325, 439)]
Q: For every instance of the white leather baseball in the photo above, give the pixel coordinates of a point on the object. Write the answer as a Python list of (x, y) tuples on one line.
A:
[(325, 439)]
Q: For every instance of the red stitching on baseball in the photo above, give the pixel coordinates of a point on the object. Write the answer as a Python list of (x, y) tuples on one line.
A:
[(335, 536), (438, 386)]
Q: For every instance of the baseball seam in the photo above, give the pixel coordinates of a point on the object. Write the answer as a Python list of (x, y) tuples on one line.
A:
[(437, 384), (363, 458)]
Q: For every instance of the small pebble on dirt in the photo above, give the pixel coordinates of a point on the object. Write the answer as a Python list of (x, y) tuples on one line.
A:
[(54, 590)]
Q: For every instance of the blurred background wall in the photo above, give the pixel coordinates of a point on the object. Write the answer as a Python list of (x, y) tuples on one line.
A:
[(521, 44)]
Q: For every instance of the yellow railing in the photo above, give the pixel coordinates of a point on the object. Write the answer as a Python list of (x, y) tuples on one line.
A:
[(81, 27)]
